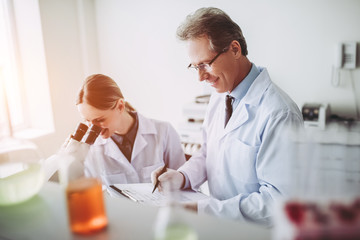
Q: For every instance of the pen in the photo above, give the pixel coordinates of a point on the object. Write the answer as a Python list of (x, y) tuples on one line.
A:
[(124, 193), (157, 180)]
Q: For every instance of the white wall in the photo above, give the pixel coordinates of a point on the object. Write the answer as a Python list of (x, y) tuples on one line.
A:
[(137, 46), (295, 40), (64, 53)]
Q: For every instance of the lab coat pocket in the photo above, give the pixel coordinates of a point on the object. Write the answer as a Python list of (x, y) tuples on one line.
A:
[(146, 171), (240, 158)]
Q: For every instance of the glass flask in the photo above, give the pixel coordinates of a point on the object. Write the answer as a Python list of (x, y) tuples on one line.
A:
[(170, 223), (21, 171)]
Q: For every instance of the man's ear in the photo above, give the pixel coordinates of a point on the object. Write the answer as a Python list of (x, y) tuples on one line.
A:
[(235, 48)]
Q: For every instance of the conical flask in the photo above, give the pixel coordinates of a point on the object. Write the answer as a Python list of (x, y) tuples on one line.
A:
[(170, 223)]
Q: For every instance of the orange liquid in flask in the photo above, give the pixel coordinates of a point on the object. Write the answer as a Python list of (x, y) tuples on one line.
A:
[(85, 204)]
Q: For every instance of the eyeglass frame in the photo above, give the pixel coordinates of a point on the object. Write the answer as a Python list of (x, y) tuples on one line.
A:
[(207, 66)]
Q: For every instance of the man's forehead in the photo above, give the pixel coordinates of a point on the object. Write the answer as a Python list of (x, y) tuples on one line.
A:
[(199, 50)]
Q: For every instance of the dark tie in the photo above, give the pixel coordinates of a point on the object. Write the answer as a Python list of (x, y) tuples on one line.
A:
[(124, 145), (126, 148), (228, 108)]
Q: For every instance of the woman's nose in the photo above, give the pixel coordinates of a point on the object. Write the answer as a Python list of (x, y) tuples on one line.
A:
[(88, 123)]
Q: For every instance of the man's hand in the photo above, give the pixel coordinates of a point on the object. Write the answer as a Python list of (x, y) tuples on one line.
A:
[(171, 179)]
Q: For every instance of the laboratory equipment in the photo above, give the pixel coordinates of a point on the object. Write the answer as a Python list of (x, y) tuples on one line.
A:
[(84, 197), (170, 226), (190, 129), (170, 223), (21, 171), (85, 203), (316, 115), (72, 155), (325, 199)]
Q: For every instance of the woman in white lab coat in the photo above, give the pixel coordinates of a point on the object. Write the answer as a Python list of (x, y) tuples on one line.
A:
[(131, 146)]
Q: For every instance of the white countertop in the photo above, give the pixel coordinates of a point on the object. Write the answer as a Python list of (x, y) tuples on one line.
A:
[(45, 217)]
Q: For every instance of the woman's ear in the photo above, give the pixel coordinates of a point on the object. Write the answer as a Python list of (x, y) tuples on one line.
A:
[(121, 104)]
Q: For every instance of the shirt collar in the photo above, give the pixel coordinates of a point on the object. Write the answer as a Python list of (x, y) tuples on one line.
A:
[(241, 89), (131, 134)]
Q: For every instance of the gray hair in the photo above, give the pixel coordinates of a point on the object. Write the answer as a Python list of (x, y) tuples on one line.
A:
[(216, 25)]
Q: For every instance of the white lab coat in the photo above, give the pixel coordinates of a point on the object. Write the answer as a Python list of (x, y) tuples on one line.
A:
[(244, 172), (156, 143)]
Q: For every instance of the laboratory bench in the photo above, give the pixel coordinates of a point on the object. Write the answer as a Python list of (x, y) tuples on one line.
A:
[(45, 217)]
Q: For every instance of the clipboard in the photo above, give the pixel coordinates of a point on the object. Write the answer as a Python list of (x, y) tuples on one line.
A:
[(142, 193)]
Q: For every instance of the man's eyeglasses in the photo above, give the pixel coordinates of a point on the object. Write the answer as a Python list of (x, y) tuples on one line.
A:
[(207, 66)]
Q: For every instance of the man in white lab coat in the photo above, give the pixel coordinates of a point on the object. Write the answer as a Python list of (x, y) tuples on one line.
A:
[(240, 154)]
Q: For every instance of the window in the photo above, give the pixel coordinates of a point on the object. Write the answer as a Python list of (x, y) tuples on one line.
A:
[(11, 108), (25, 106)]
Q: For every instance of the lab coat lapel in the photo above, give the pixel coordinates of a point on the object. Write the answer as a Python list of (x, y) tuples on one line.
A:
[(112, 150), (145, 127), (238, 118), (139, 144), (251, 100)]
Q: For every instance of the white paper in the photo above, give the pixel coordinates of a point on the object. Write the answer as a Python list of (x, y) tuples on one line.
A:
[(142, 193)]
